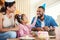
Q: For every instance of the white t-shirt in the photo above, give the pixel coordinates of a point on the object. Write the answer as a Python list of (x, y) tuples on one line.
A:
[(42, 23)]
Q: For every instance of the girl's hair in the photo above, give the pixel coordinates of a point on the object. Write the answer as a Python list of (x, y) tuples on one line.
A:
[(7, 4), (19, 17)]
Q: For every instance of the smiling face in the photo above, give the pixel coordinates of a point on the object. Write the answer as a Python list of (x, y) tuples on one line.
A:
[(25, 19), (21, 18), (40, 12), (12, 8)]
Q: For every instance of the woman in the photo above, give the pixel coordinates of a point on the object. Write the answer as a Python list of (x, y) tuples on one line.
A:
[(7, 26)]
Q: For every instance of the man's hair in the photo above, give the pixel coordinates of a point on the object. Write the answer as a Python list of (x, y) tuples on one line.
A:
[(42, 7)]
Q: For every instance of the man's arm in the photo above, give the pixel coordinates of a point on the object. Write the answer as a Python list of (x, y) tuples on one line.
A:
[(33, 20), (53, 22)]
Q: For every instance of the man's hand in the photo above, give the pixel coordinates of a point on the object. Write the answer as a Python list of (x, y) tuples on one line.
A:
[(46, 28), (52, 28), (39, 29)]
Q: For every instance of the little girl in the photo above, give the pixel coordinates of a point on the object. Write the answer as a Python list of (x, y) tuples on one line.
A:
[(24, 28)]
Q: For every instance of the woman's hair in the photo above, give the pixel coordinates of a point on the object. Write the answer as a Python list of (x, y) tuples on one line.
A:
[(19, 17), (7, 4), (2, 9), (1, 3)]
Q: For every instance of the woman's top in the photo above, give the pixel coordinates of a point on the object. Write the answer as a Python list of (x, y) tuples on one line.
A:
[(8, 22)]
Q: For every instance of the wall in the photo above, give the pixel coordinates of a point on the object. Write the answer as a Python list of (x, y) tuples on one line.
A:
[(23, 6)]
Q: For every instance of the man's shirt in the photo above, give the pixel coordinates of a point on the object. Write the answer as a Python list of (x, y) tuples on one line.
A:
[(48, 21)]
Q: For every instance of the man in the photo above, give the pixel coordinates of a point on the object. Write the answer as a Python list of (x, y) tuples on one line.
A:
[(44, 22)]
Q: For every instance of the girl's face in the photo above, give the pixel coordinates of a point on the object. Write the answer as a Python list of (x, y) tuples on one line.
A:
[(25, 19)]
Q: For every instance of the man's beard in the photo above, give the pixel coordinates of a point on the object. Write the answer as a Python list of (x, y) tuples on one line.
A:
[(40, 16)]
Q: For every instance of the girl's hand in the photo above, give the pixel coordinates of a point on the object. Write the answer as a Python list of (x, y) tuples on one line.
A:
[(37, 16)]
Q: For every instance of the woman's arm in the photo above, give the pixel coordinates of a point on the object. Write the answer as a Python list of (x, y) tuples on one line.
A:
[(16, 28), (1, 24)]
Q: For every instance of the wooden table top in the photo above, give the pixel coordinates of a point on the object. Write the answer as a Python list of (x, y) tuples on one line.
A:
[(35, 39)]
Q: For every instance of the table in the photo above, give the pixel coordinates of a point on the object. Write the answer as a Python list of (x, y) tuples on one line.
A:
[(57, 30), (35, 39), (18, 39)]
